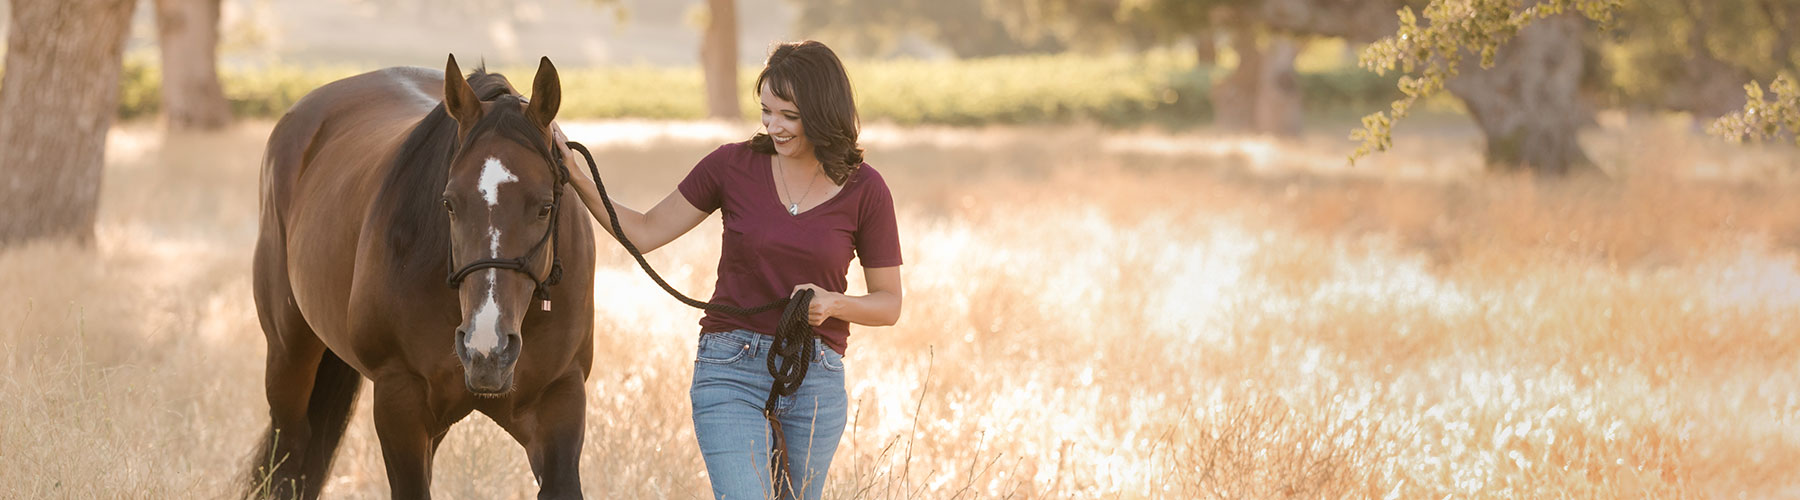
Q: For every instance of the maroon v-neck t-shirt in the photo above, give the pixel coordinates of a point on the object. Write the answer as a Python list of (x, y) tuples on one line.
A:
[(766, 251)]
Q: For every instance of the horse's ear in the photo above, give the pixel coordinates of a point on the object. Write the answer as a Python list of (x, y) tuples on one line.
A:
[(459, 98), (546, 94)]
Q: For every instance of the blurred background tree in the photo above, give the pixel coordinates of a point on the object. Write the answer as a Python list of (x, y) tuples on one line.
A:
[(58, 96), (188, 38), (718, 59), (1675, 55), (1260, 95), (1541, 65)]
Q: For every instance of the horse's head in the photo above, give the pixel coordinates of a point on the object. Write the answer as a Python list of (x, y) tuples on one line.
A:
[(502, 197)]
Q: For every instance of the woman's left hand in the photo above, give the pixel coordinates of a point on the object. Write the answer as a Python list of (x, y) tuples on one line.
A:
[(824, 303)]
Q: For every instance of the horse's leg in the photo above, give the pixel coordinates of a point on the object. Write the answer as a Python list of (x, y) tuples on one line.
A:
[(409, 433), (552, 432), (308, 389), (293, 361)]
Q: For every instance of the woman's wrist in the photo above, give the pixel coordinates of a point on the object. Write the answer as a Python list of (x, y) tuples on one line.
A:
[(835, 306)]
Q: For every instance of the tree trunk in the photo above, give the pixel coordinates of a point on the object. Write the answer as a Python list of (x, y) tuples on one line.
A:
[(1278, 107), (188, 35), (57, 101), (1234, 95), (718, 59), (1529, 104), (1262, 94), (1206, 49)]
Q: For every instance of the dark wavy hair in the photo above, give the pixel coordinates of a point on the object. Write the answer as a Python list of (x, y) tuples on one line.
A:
[(808, 74)]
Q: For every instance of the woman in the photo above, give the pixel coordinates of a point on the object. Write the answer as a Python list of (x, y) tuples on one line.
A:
[(784, 231)]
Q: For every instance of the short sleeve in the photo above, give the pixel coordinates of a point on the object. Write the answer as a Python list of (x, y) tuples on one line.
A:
[(702, 187), (877, 233)]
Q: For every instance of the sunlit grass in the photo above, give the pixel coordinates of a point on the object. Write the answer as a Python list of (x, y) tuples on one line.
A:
[(1088, 315)]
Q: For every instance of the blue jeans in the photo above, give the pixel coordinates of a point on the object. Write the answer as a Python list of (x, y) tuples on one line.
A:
[(731, 382)]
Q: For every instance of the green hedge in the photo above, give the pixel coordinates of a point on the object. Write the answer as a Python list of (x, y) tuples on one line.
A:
[(1160, 89), (1114, 91)]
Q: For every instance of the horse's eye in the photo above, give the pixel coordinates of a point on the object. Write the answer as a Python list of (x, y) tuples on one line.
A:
[(544, 211), (447, 208)]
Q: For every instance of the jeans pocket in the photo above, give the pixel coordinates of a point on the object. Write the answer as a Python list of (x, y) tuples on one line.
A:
[(720, 349), (830, 360)]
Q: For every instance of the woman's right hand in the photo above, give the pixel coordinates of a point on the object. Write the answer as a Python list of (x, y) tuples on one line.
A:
[(576, 164), (581, 179), (669, 219)]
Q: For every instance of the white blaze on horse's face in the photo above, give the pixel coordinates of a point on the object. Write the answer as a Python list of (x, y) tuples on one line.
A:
[(486, 335), (493, 174)]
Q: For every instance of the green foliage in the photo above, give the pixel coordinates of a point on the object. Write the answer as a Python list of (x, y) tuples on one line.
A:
[(639, 92), (269, 92), (1113, 90), (1346, 90), (1428, 55), (259, 92), (1667, 54), (140, 93), (1160, 88), (1764, 119)]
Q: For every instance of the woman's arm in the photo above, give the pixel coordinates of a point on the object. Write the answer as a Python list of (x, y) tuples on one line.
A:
[(881, 307), (669, 219)]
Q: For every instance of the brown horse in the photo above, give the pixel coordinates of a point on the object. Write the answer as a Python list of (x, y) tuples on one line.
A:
[(373, 191)]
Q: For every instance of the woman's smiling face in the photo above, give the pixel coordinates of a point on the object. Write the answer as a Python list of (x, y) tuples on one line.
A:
[(781, 119)]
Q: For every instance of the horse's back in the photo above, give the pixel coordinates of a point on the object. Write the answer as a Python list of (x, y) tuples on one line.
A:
[(321, 170), (350, 108)]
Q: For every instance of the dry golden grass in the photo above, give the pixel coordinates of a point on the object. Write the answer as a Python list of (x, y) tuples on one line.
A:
[(1088, 315)]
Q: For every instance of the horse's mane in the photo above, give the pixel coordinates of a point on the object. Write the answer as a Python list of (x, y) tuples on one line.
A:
[(418, 230)]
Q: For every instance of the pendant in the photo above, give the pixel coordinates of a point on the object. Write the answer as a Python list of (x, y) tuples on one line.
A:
[(793, 209)]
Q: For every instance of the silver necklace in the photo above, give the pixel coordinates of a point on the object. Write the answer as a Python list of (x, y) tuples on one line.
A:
[(794, 207)]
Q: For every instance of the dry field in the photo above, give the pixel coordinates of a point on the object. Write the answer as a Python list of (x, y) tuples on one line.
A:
[(1089, 314)]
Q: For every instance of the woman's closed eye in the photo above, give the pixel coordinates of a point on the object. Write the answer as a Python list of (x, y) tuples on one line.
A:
[(785, 114)]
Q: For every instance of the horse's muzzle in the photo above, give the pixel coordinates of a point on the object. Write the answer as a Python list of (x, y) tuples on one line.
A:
[(488, 374)]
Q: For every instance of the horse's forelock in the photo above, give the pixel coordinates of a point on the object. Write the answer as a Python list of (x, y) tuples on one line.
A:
[(507, 118), (489, 86)]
